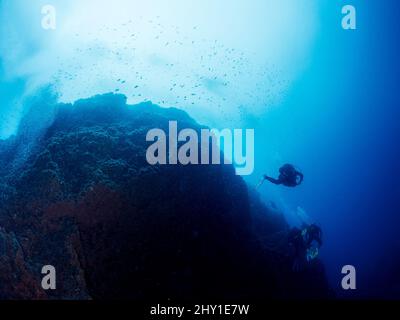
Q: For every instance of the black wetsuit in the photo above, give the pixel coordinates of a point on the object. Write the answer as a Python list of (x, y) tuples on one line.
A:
[(288, 176), (301, 240)]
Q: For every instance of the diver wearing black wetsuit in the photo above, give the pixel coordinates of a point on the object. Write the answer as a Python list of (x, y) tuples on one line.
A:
[(288, 176)]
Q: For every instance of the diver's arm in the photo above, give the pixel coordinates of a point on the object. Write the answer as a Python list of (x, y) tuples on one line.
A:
[(272, 180)]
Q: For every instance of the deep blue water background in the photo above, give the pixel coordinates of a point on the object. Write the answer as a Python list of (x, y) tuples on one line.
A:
[(340, 125)]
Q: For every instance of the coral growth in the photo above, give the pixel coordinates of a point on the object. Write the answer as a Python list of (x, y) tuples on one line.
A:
[(86, 201)]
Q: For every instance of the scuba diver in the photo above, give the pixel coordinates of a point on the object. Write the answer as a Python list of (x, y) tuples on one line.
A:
[(306, 243), (313, 233), (288, 176)]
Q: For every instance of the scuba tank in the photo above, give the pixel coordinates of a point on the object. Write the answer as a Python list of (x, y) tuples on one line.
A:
[(312, 251)]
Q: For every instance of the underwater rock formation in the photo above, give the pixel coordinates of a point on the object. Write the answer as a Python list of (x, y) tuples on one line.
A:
[(85, 200)]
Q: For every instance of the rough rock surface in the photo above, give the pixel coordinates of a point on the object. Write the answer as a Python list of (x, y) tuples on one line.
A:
[(79, 195)]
